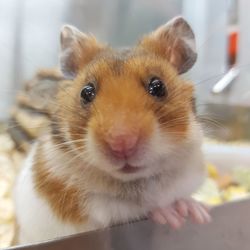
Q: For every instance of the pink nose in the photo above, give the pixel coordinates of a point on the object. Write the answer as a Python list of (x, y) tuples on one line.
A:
[(123, 146)]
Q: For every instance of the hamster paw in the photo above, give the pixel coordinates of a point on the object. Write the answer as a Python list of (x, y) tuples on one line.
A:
[(175, 214)]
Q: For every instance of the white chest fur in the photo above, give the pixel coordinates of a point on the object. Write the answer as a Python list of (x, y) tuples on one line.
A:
[(105, 210)]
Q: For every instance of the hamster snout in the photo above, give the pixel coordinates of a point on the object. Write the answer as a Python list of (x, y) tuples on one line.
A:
[(122, 145), (124, 140)]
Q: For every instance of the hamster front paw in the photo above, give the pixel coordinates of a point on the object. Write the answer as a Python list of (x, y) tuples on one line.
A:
[(175, 214)]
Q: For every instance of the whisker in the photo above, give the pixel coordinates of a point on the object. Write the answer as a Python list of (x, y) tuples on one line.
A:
[(211, 121)]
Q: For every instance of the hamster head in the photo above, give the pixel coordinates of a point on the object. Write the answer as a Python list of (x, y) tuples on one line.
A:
[(126, 111)]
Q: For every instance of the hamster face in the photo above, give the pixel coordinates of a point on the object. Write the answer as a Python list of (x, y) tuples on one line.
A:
[(137, 113), (126, 111)]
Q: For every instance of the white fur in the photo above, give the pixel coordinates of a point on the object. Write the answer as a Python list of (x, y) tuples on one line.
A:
[(106, 210), (36, 220)]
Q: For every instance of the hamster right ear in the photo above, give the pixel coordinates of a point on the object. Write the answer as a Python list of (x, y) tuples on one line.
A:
[(77, 49), (174, 41)]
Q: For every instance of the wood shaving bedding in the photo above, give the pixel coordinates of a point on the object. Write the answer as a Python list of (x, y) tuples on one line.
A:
[(10, 162)]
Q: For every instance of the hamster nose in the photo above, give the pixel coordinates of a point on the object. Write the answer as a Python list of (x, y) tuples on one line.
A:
[(123, 146)]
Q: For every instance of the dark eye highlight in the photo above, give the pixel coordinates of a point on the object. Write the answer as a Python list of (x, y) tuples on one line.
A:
[(156, 87), (88, 93)]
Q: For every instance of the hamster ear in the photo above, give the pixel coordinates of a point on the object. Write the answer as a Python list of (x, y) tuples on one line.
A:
[(77, 49), (174, 41)]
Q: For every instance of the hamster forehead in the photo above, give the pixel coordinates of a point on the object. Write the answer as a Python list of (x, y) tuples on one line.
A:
[(130, 63), (130, 70)]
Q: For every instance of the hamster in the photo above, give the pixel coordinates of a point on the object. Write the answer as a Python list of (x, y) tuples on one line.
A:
[(123, 141)]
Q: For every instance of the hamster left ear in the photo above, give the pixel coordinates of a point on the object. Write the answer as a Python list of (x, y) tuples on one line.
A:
[(77, 49), (174, 41)]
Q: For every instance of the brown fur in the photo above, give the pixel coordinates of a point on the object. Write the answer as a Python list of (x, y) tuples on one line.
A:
[(58, 137), (63, 199)]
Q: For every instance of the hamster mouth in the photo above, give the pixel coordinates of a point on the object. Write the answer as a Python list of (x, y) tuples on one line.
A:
[(128, 169)]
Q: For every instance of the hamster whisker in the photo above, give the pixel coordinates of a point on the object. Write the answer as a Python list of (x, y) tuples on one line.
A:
[(72, 151), (55, 149), (202, 118), (70, 142), (77, 156), (178, 134), (174, 120), (172, 124)]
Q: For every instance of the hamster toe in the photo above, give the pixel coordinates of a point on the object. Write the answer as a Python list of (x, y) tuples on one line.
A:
[(168, 215), (198, 212)]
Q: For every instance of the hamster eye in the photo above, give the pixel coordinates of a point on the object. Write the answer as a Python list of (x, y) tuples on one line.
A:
[(156, 87), (88, 93)]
